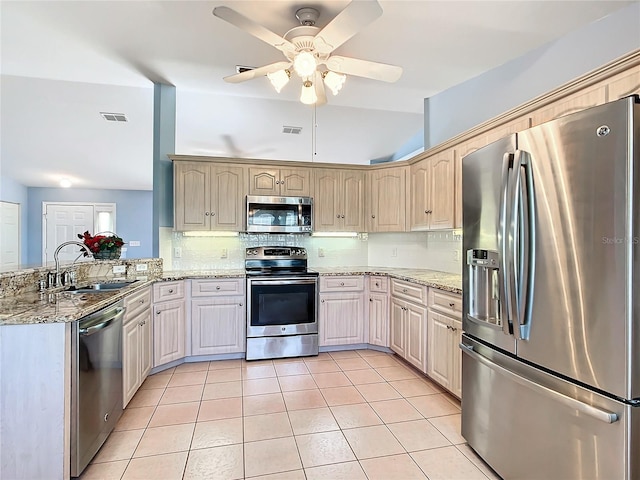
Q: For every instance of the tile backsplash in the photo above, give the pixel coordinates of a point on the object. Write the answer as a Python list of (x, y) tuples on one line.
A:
[(432, 250)]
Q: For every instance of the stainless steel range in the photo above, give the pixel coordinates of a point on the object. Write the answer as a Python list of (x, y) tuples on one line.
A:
[(282, 303)]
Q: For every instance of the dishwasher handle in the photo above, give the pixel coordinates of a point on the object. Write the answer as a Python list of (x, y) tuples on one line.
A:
[(109, 319)]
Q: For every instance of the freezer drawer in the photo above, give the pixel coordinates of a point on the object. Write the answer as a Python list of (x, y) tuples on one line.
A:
[(528, 424)]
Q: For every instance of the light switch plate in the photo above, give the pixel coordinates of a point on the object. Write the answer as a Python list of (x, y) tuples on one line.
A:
[(119, 269), (141, 267), (134, 243)]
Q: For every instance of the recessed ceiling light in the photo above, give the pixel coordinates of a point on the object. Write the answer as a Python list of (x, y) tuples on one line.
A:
[(65, 183)]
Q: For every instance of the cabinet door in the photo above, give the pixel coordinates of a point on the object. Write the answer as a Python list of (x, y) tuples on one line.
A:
[(217, 325), (168, 332), (456, 354), (589, 97), (439, 365), (191, 197), (420, 195), (326, 201), (624, 84), (130, 360), (227, 198), (416, 343), (295, 182), (264, 181), (397, 342), (379, 319), (506, 129), (352, 201), (145, 345), (387, 200), (441, 190), (341, 319)]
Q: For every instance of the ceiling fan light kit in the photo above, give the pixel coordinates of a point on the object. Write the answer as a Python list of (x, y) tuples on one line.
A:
[(308, 50)]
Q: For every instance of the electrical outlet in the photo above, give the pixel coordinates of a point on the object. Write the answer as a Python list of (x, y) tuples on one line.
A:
[(119, 269), (456, 255), (394, 252), (134, 243), (141, 267), (321, 252), (223, 253), (177, 252)]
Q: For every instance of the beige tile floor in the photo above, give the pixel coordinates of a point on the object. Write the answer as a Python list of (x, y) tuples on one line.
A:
[(342, 415)]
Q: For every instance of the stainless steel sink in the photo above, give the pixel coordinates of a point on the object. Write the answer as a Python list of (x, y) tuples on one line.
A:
[(100, 287)]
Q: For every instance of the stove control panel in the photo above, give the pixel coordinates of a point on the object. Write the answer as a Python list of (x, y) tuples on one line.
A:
[(276, 252)]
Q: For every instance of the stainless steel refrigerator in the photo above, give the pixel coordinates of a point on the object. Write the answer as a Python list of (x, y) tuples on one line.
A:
[(551, 349)]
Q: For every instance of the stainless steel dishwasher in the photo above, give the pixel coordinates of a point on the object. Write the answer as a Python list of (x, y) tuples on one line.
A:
[(96, 382)]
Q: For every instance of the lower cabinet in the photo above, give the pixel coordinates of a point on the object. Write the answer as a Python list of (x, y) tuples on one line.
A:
[(409, 332), (341, 318), (379, 319), (136, 343), (168, 322), (218, 316), (445, 334)]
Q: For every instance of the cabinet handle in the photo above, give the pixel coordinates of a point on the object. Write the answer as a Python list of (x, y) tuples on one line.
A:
[(282, 182), (206, 214), (338, 216), (371, 299), (218, 287), (341, 216), (373, 216), (426, 211), (454, 329), (321, 301), (158, 312), (404, 290), (171, 290), (213, 214), (448, 327), (342, 284), (452, 305), (240, 304), (141, 302), (429, 211), (377, 284)]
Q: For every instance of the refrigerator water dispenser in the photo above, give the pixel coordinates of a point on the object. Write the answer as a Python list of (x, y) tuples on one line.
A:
[(484, 291)]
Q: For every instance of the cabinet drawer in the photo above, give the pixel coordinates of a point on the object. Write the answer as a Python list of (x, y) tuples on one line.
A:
[(409, 291), (342, 284), (211, 287), (445, 302), (136, 303), (168, 291), (378, 284)]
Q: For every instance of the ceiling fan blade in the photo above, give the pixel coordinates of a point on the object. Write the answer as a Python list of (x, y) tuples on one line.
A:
[(320, 91), (364, 68), (357, 15), (257, 72), (255, 29)]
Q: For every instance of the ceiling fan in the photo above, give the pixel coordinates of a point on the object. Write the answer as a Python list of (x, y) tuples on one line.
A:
[(308, 49)]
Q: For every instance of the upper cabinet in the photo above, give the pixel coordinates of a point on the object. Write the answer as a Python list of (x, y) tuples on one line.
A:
[(585, 98), (461, 151), (289, 182), (387, 200), (339, 200), (432, 186), (624, 84), (208, 196)]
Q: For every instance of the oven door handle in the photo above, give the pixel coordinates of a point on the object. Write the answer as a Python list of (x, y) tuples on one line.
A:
[(283, 281)]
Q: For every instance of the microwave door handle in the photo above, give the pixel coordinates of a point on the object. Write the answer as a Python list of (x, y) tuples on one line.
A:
[(526, 242), (502, 244)]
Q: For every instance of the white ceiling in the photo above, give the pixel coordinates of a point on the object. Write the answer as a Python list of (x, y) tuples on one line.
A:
[(84, 57)]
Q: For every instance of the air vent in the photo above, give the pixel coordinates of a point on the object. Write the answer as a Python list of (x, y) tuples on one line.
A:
[(291, 130), (114, 117)]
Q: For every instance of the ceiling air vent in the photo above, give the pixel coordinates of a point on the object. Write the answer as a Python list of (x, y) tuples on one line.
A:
[(291, 130), (114, 117)]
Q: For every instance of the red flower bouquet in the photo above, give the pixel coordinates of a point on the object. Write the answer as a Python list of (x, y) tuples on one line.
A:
[(102, 246)]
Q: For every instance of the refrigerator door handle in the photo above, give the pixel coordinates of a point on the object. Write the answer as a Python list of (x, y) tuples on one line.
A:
[(503, 272), (594, 412), (512, 269), (526, 236)]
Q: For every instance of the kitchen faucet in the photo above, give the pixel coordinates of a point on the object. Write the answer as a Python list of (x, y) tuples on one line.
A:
[(57, 282)]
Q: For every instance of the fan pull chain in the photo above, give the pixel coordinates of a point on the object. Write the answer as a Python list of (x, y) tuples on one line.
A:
[(314, 133)]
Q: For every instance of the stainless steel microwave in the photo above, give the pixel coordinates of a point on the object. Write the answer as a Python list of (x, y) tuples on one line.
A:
[(279, 214)]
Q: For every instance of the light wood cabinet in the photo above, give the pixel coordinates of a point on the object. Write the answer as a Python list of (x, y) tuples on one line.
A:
[(588, 97), (624, 84), (136, 343), (294, 182), (218, 316), (387, 200), (168, 323), (444, 363), (506, 129), (341, 314), (378, 311), (432, 198), (208, 197), (339, 200), (409, 322)]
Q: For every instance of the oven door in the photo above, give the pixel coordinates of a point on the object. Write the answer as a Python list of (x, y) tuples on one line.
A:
[(279, 306)]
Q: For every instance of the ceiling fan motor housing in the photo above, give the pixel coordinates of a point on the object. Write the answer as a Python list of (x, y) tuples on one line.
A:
[(307, 16)]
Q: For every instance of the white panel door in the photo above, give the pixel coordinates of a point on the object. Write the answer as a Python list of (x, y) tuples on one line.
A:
[(63, 223), (9, 236)]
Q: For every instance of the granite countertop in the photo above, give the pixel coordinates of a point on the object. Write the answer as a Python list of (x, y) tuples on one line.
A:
[(60, 306), (450, 282)]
